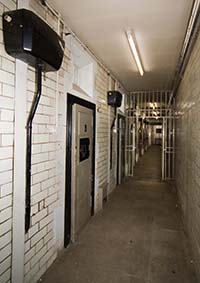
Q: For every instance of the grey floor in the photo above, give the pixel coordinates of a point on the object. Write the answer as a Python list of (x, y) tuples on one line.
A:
[(137, 238)]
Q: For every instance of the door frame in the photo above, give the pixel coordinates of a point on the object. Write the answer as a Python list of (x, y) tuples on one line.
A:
[(71, 100), (119, 116)]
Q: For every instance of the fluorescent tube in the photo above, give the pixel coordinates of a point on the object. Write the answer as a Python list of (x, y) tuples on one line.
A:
[(135, 52)]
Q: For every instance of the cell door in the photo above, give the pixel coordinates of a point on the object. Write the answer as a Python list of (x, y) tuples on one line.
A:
[(82, 177), (121, 149)]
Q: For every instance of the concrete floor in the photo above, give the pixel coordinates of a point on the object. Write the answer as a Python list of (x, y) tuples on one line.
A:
[(137, 238)]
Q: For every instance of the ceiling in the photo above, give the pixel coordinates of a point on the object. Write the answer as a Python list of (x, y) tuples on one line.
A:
[(159, 27)]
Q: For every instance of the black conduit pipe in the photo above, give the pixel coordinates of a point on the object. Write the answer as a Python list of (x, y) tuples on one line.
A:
[(111, 137), (29, 145)]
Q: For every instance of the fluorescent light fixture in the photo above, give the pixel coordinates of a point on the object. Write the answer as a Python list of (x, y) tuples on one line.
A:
[(135, 52)]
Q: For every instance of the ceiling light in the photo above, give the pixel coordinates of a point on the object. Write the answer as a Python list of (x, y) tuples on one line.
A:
[(135, 52)]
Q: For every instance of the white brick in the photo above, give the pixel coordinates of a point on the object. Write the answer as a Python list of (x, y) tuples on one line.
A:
[(6, 127), (37, 178), (34, 209), (46, 257), (6, 102), (5, 165), (5, 276), (37, 237), (5, 177), (9, 4), (27, 268), (52, 190), (36, 148), (51, 199), (8, 65), (35, 189), (27, 246), (52, 173), (7, 77), (48, 183), (39, 245), (41, 157), (5, 202), (34, 270), (45, 221), (41, 138), (29, 255), (7, 115), (52, 206), (6, 152), (51, 260), (41, 214), (41, 119), (5, 252), (31, 86), (48, 237), (38, 197), (33, 230), (8, 90), (5, 240), (48, 110), (5, 215), (5, 265), (6, 189), (5, 227), (7, 140)]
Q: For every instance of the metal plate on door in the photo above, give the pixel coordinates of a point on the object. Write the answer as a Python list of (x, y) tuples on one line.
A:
[(84, 147)]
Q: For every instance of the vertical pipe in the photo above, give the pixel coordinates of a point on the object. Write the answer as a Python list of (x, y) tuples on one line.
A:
[(29, 146)]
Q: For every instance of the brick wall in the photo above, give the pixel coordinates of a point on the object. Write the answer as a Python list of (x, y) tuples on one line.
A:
[(40, 244), (105, 115), (102, 86), (48, 162), (7, 102), (188, 149), (113, 168)]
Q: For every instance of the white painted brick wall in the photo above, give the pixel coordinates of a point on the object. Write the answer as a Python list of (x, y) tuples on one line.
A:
[(48, 146), (102, 86), (7, 86), (188, 149), (39, 249)]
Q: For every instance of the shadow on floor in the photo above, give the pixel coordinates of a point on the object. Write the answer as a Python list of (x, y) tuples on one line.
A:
[(137, 238)]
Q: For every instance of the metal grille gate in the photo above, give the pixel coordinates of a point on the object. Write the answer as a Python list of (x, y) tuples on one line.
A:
[(149, 106)]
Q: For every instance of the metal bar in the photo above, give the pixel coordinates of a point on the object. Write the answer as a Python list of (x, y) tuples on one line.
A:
[(29, 146), (140, 102), (163, 147)]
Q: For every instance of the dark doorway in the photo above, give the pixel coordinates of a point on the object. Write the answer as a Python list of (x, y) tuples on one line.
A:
[(121, 126)]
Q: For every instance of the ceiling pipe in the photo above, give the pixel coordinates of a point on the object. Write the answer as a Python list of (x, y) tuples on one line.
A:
[(188, 44)]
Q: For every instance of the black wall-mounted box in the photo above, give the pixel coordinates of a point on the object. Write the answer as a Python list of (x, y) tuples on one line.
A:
[(114, 98), (28, 38)]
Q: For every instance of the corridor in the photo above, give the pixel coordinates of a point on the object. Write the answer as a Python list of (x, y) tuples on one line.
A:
[(137, 238), (149, 166)]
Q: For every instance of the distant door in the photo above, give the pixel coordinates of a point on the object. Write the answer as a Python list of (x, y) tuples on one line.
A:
[(121, 149), (82, 172)]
